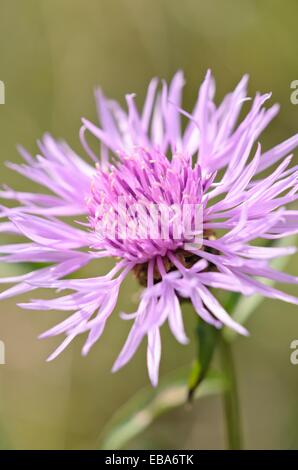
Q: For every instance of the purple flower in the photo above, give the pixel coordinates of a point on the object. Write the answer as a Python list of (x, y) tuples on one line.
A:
[(146, 158)]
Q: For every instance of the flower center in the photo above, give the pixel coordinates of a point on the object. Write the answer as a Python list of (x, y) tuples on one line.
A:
[(145, 205), (186, 258)]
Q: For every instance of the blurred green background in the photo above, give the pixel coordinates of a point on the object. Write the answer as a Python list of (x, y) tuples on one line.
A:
[(52, 54)]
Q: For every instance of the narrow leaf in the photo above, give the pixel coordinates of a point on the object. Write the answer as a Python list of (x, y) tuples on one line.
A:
[(207, 337), (141, 411)]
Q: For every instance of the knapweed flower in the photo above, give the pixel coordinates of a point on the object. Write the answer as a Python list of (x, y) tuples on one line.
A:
[(148, 159)]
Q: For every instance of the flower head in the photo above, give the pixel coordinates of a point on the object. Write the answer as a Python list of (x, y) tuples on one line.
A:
[(181, 209), (141, 202)]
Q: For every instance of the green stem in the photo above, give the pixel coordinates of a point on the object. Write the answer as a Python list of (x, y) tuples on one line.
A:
[(230, 398)]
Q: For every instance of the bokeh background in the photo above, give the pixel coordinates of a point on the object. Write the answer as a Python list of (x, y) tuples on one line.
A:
[(52, 54)]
